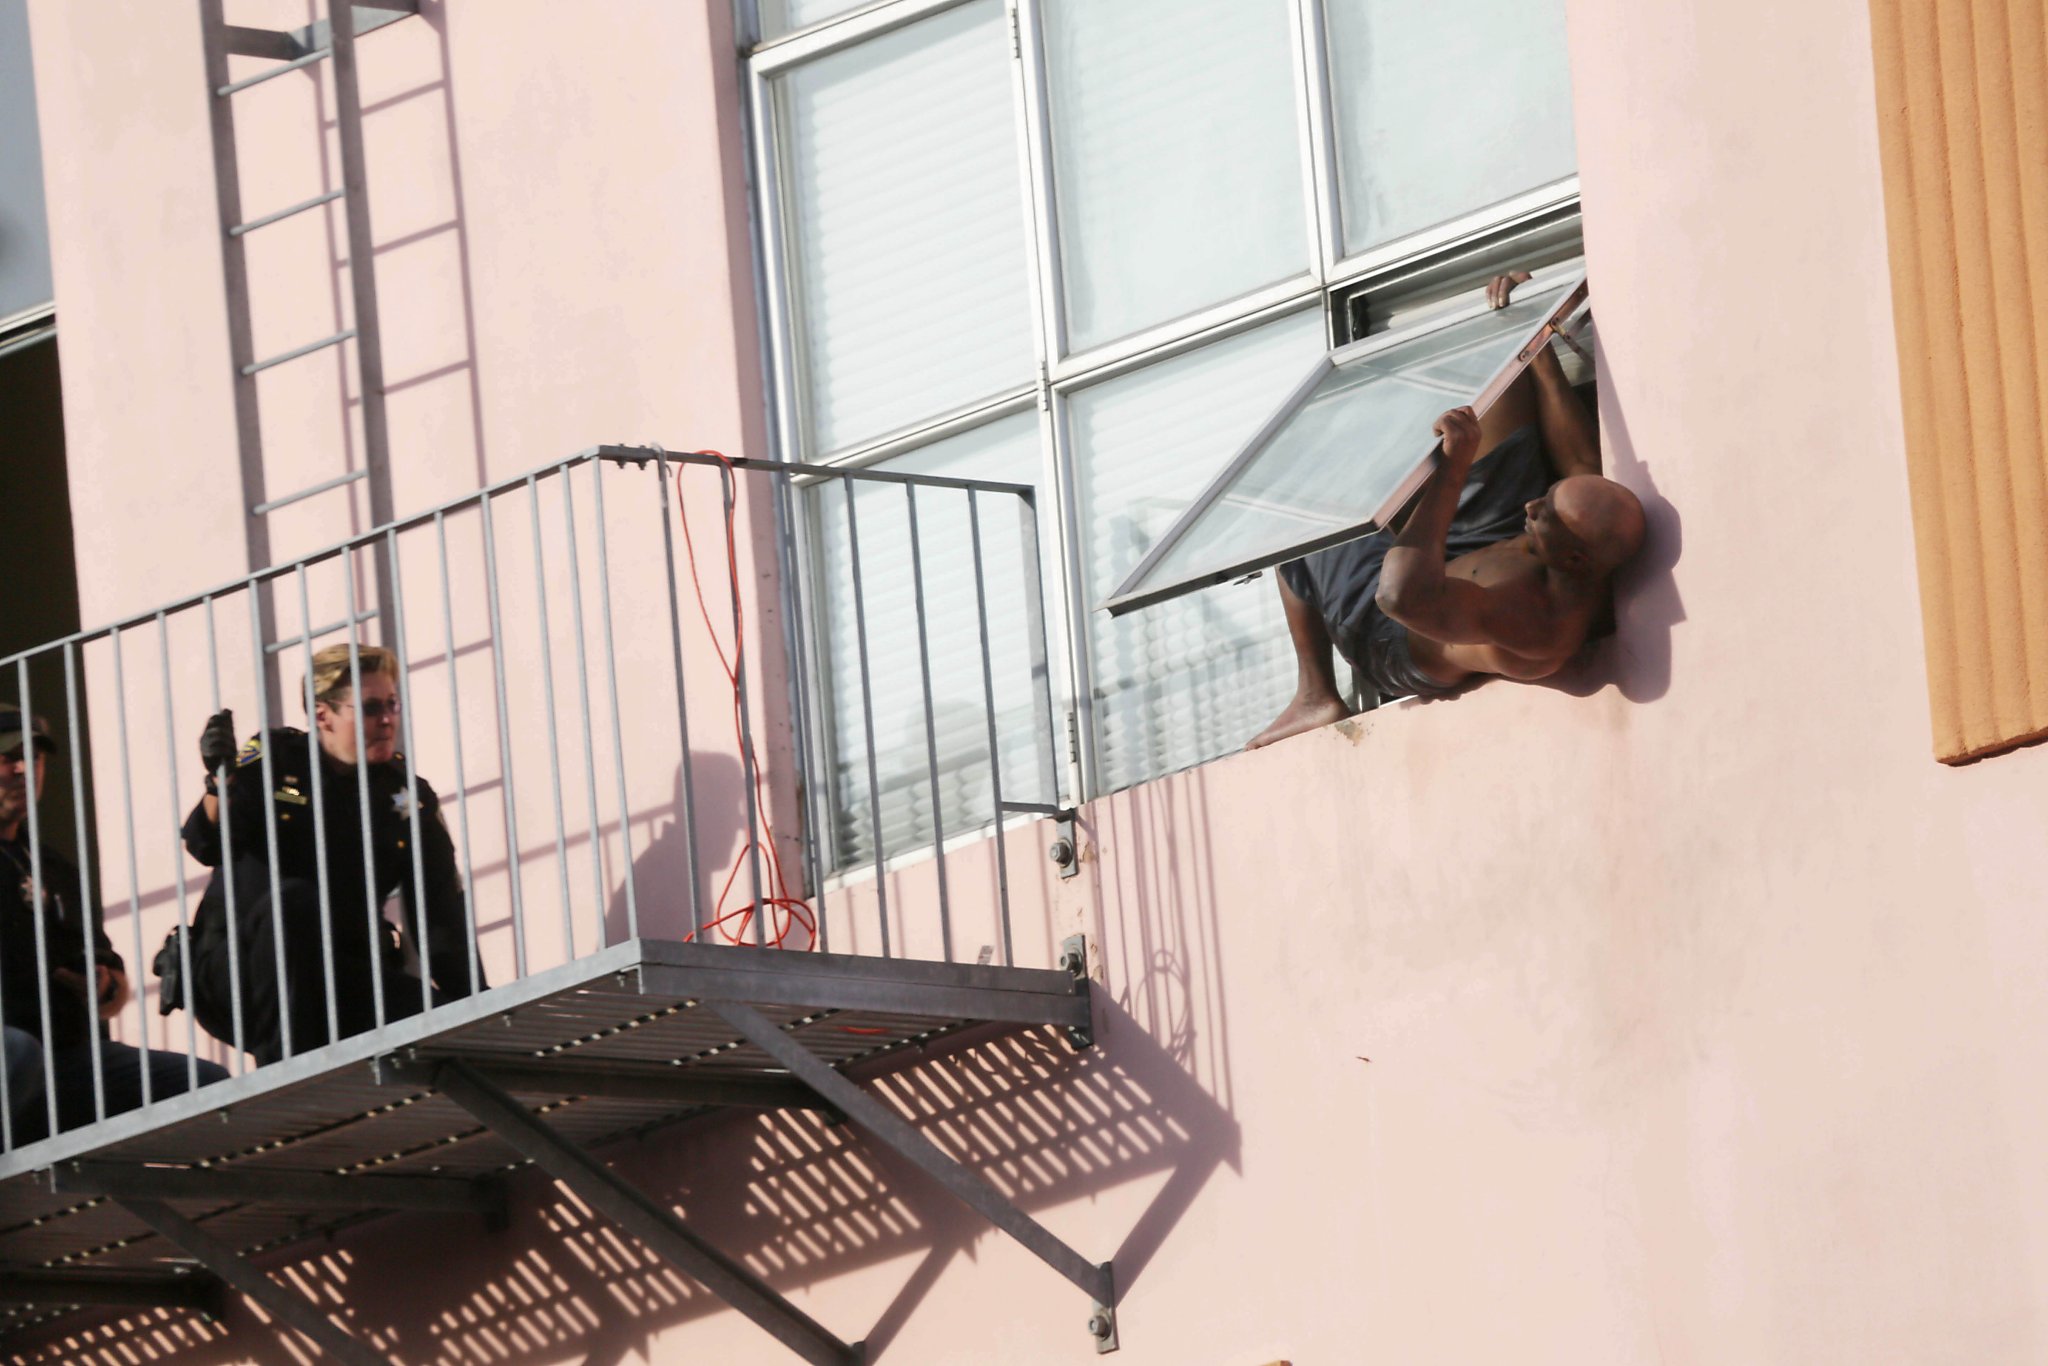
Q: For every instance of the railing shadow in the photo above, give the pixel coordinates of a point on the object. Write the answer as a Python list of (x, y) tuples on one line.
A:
[(798, 1200)]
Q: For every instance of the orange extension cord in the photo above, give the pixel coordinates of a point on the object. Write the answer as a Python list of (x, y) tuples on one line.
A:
[(782, 912)]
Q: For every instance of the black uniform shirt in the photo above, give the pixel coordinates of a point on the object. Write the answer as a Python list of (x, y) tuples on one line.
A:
[(65, 918), (296, 764)]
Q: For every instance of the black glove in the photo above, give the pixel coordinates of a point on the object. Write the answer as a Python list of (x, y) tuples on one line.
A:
[(217, 745)]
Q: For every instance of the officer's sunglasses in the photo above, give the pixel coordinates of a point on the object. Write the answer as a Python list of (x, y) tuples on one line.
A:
[(377, 708)]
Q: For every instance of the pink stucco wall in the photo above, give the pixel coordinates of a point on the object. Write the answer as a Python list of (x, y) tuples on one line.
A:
[(1684, 1011)]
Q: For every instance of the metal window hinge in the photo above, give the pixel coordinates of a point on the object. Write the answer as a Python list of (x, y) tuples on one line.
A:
[(1016, 36), (1073, 738)]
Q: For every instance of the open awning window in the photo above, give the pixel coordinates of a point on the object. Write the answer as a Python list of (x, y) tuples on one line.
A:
[(1352, 443)]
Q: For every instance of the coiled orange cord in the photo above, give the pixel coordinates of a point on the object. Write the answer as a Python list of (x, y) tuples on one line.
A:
[(782, 912)]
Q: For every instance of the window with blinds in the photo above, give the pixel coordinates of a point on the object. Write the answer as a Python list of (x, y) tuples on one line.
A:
[(907, 710), (1088, 246)]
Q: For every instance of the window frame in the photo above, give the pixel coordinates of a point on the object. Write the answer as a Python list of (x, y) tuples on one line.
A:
[(1134, 592), (1407, 265)]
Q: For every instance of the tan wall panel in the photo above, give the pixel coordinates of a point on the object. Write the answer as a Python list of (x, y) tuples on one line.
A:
[(1963, 119)]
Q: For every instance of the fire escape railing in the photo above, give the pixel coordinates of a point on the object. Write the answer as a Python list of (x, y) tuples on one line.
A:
[(555, 653)]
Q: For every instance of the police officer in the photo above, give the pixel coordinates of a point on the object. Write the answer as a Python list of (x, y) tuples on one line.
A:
[(39, 884), (312, 799)]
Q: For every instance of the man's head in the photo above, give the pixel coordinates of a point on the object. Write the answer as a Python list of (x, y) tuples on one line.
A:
[(1585, 525), (24, 741), (338, 699)]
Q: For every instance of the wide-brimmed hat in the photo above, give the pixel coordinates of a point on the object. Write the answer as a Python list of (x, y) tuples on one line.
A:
[(15, 727)]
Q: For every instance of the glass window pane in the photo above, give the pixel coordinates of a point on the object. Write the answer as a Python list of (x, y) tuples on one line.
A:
[(907, 227), (1177, 162), (787, 16), (1185, 681), (1349, 447), (1444, 108), (1008, 449)]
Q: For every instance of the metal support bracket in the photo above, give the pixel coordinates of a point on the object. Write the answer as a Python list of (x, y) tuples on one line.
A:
[(892, 1129), (1074, 961), (1102, 1327), (283, 1304), (1069, 840), (610, 1195)]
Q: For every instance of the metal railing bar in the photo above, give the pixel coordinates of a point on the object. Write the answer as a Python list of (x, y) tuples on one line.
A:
[(1041, 649), (373, 919), (461, 773), (634, 455), (227, 858), (163, 645), (547, 678), (867, 709), (85, 897), (688, 815), (931, 736), (412, 777), (510, 794), (750, 761), (316, 778), (264, 509), (269, 817), (280, 215), (611, 675), (134, 877), (232, 87), (616, 455), (1034, 809), (995, 757), (257, 366), (37, 892), (795, 631), (583, 697)]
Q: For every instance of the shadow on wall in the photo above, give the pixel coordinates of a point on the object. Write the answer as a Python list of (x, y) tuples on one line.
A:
[(1636, 658), (796, 1200), (661, 873), (1160, 931), (433, 13)]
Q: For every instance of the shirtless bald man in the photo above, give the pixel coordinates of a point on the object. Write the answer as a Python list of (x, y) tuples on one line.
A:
[(1503, 566)]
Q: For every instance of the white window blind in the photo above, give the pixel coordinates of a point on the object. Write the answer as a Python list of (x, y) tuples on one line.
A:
[(1009, 450), (1185, 681), (1177, 165), (1444, 108), (906, 229)]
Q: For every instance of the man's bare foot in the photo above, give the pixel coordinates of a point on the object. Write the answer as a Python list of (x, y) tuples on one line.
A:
[(1305, 712)]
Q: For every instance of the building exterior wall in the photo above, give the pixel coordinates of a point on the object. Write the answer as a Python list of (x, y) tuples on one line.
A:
[(1682, 1009)]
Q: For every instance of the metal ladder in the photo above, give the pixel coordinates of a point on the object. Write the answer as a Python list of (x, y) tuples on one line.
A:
[(294, 51)]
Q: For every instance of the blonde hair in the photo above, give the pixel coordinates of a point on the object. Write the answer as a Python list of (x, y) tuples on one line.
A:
[(331, 678)]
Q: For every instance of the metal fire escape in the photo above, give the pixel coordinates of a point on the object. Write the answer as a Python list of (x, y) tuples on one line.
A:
[(166, 1205), (432, 1114)]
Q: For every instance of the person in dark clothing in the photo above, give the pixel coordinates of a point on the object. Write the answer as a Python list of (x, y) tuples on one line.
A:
[(295, 958), (58, 994), (1502, 567)]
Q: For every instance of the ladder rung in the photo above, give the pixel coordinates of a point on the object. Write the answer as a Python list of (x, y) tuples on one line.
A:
[(274, 504), (259, 78), (308, 349), (327, 630), (315, 202)]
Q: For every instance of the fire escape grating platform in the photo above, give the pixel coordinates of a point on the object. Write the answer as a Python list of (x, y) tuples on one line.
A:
[(421, 1114)]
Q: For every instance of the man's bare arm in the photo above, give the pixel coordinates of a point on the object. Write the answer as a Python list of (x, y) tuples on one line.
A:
[(1569, 438), (1414, 589)]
